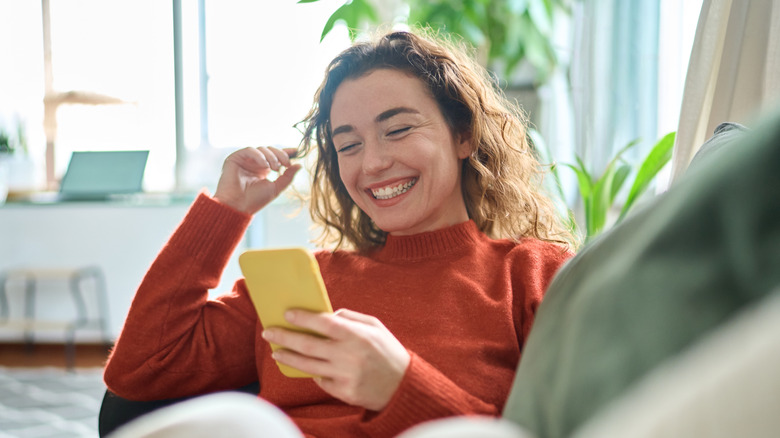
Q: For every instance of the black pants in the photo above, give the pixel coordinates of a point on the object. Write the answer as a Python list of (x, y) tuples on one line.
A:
[(116, 411)]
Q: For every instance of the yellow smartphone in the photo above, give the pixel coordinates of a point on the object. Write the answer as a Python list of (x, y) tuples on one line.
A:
[(283, 279)]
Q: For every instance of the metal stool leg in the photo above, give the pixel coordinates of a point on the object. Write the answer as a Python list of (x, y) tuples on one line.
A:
[(83, 317), (29, 310), (102, 301)]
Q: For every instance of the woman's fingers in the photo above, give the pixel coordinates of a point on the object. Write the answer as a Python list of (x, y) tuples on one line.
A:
[(358, 317), (282, 155), (246, 184), (297, 345), (270, 157), (291, 152), (286, 177), (360, 362), (320, 346), (306, 363), (257, 159), (330, 325), (247, 159)]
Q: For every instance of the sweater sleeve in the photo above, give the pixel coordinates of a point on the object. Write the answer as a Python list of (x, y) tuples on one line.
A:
[(424, 394), (175, 341)]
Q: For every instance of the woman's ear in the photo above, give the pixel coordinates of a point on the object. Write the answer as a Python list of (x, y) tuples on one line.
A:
[(463, 144)]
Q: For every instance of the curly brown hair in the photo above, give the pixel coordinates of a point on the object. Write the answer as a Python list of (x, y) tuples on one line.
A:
[(501, 181)]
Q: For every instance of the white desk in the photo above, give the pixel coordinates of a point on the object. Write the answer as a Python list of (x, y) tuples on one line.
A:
[(123, 239)]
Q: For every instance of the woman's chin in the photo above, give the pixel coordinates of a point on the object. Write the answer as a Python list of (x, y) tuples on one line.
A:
[(393, 225)]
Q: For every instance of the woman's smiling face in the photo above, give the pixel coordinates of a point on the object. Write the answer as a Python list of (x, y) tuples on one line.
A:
[(397, 156)]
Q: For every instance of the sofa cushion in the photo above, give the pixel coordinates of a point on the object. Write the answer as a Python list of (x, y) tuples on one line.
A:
[(724, 386), (654, 285), (725, 134)]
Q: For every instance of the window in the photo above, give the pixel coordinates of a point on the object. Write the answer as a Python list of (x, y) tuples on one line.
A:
[(115, 51), (249, 89), (112, 79)]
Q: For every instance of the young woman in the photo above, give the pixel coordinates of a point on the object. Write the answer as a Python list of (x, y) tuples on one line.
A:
[(443, 245)]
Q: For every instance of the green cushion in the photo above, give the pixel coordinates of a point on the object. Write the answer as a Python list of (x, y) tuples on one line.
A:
[(653, 285)]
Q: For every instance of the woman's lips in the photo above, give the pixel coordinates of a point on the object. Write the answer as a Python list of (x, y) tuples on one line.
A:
[(392, 190)]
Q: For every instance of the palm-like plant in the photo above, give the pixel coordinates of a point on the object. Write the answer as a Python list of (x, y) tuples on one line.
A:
[(599, 193)]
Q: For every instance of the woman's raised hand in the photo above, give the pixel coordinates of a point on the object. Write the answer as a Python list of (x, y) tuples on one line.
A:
[(245, 184), (360, 362)]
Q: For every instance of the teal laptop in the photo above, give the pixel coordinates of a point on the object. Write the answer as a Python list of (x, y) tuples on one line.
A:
[(98, 175)]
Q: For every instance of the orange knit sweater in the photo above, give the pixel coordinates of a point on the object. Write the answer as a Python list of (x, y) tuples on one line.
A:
[(461, 303)]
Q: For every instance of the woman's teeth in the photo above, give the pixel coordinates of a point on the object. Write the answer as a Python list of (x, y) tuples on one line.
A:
[(392, 192)]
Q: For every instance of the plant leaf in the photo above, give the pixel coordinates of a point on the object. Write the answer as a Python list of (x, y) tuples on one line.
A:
[(585, 186), (617, 183), (537, 48), (517, 7), (625, 148), (365, 10), (307, 1), (602, 191), (352, 13), (555, 187), (584, 180), (541, 15), (656, 159), (338, 14)]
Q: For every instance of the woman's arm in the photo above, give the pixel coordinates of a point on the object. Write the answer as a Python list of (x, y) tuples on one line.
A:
[(175, 341)]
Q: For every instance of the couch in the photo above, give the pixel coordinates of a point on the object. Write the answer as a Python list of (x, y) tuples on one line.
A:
[(666, 299)]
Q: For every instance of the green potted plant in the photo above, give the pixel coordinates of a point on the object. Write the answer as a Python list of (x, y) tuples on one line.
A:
[(599, 193), (6, 149), (14, 160), (505, 33), (13, 144)]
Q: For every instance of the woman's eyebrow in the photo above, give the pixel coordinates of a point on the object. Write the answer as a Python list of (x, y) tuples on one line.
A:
[(343, 129), (392, 112)]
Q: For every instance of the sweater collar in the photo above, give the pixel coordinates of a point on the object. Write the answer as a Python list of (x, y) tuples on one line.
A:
[(431, 243)]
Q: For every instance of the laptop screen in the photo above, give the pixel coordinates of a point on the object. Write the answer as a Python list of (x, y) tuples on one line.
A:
[(96, 175)]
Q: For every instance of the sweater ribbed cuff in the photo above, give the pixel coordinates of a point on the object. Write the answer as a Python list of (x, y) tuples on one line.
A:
[(424, 394), (210, 230)]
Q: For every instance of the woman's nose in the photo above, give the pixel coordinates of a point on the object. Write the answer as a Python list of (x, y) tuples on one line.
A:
[(375, 158)]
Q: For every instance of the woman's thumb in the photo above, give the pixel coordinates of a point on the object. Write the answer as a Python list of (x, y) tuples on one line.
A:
[(286, 178)]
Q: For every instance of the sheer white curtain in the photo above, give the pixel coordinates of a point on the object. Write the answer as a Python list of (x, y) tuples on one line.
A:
[(733, 74), (614, 77)]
